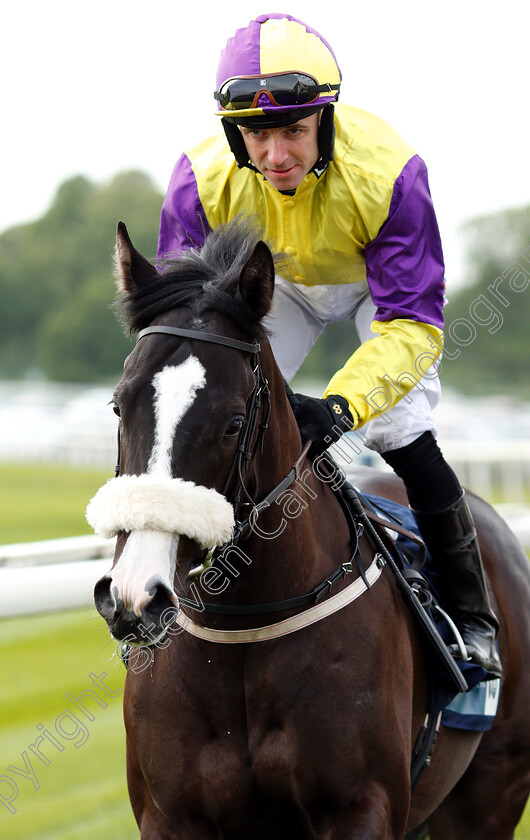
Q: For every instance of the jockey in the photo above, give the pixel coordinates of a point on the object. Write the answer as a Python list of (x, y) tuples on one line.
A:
[(347, 200)]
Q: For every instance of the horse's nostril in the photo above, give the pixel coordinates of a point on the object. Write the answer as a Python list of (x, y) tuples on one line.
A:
[(103, 598), (161, 602)]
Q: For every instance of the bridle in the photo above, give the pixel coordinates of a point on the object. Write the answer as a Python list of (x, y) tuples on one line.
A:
[(251, 434), (254, 427), (255, 423), (250, 439)]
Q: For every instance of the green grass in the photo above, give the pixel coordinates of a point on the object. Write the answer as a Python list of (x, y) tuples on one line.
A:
[(43, 502), (82, 791)]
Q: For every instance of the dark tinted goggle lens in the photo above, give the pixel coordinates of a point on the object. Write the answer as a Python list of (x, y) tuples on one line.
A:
[(289, 89)]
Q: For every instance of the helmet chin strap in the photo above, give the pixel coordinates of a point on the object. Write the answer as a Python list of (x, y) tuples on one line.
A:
[(326, 134), (326, 142), (237, 144)]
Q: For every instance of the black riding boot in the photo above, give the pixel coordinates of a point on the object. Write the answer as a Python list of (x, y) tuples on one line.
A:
[(451, 538)]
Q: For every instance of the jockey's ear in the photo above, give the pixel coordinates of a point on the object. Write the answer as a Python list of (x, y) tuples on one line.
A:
[(256, 282), (130, 268)]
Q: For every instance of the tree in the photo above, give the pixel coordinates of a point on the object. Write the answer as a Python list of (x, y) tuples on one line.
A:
[(486, 334), (82, 341), (57, 271), (486, 344)]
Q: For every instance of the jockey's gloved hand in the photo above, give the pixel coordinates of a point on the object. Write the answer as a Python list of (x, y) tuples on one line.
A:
[(321, 421)]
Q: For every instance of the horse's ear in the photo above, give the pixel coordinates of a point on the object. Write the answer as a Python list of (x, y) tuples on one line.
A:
[(256, 282), (130, 268)]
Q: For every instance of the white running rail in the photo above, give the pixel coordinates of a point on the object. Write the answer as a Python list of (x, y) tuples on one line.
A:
[(55, 575)]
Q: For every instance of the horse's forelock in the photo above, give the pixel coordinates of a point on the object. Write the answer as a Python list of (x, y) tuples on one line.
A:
[(205, 280)]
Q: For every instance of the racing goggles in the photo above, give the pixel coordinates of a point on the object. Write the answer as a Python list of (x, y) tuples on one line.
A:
[(281, 89)]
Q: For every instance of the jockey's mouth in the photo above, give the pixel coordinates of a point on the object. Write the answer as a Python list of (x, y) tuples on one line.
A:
[(283, 171)]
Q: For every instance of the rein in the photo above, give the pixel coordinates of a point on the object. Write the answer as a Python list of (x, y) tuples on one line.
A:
[(358, 519), (289, 625)]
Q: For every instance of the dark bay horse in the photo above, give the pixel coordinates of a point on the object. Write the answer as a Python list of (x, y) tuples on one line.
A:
[(297, 723)]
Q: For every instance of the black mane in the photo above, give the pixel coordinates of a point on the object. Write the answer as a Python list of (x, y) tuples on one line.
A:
[(204, 280)]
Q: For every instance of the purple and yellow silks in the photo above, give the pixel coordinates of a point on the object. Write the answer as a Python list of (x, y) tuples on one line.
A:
[(369, 216)]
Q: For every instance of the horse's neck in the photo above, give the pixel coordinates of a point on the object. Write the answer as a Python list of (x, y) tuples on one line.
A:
[(303, 535)]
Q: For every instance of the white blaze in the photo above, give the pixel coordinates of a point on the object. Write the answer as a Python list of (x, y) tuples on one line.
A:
[(175, 391), (149, 556)]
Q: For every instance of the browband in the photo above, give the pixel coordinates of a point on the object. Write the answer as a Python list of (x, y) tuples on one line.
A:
[(203, 336)]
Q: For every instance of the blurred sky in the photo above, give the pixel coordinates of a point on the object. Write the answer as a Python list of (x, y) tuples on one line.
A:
[(101, 87)]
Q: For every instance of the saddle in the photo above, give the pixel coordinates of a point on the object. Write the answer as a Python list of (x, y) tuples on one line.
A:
[(472, 707), (398, 529)]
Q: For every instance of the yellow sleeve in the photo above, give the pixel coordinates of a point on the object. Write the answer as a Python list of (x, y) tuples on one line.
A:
[(385, 368)]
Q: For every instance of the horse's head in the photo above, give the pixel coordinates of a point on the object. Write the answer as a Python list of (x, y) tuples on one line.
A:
[(190, 404)]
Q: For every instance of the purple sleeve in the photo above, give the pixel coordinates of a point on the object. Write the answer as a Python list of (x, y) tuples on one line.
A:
[(183, 222), (404, 263)]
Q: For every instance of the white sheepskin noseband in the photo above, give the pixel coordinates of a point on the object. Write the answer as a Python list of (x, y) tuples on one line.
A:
[(147, 502)]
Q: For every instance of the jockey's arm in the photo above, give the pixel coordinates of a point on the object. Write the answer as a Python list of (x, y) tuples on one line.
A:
[(405, 273), (385, 368)]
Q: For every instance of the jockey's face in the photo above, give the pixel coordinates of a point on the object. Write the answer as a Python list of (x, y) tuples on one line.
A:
[(284, 155)]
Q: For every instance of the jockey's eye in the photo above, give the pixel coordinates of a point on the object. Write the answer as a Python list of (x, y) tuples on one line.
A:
[(234, 427)]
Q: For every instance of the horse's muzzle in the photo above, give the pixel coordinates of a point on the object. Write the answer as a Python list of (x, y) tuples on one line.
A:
[(146, 626)]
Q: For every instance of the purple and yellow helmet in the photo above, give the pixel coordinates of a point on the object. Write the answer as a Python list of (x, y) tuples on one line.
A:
[(275, 71)]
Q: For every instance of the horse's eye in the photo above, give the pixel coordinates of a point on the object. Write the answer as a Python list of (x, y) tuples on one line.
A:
[(116, 408), (234, 427)]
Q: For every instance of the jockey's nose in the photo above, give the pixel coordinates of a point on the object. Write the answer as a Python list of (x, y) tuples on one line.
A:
[(277, 151)]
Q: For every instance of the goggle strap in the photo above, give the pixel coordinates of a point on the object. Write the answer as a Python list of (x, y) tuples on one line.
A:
[(317, 88)]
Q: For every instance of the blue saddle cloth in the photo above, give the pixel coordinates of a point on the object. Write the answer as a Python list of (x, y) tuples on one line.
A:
[(474, 709)]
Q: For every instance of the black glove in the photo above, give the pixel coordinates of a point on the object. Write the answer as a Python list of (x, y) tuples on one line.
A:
[(322, 421)]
